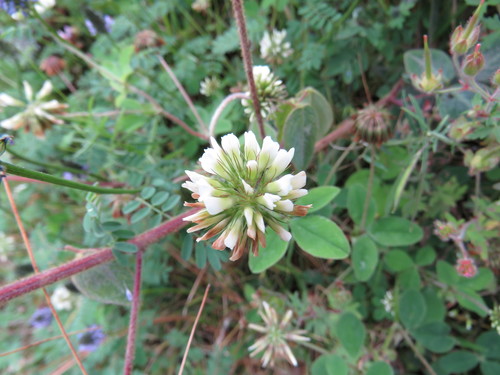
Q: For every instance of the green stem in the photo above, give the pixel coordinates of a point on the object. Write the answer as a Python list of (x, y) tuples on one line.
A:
[(54, 166), (23, 172), (368, 188)]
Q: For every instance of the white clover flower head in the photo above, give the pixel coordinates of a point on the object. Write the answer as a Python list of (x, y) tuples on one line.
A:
[(62, 299), (38, 113), (388, 302), (244, 192), (209, 86), (276, 334), (270, 90), (273, 47), (200, 5)]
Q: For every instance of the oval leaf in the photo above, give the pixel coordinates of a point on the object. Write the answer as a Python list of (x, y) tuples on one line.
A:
[(319, 197), (321, 106), (351, 333), (300, 132), (329, 364), (412, 308), (356, 202), (268, 256), (320, 237), (364, 258), (395, 231)]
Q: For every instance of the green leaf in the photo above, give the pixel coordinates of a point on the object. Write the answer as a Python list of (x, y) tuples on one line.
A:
[(268, 256), (436, 310), (351, 333), (398, 260), (412, 308), (446, 273), (395, 231), (483, 279), (123, 234), (319, 197), (139, 215), (130, 207), (490, 341), (459, 361), (415, 64), (329, 364), (160, 198), (356, 202), (435, 337), (111, 226), (125, 247), (321, 107), (409, 279), (200, 254), (320, 237), (472, 301), (300, 131), (187, 247), (171, 202), (148, 192), (380, 368), (364, 258), (490, 368), (425, 256), (106, 283), (214, 259)]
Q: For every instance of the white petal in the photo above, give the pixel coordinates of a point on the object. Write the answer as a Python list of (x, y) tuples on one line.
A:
[(217, 205), (268, 200), (248, 212), (252, 147), (299, 180), (45, 90), (209, 160), (14, 122), (53, 105), (230, 144), (9, 101), (282, 232), (285, 205), (281, 186), (268, 152), (294, 194), (195, 177), (233, 235), (28, 91), (281, 162), (248, 189), (259, 221)]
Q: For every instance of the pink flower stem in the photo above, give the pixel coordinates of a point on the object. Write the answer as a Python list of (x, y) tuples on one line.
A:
[(98, 257), (132, 327)]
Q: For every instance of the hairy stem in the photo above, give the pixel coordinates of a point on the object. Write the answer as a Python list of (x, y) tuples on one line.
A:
[(132, 327), (98, 257), (239, 15)]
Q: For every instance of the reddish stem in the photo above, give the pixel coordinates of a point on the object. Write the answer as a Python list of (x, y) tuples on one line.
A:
[(132, 327), (100, 256)]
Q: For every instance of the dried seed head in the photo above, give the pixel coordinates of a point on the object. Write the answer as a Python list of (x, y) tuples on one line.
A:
[(373, 125)]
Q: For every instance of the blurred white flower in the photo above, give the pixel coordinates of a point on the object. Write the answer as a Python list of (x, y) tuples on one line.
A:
[(244, 193), (388, 302), (62, 299), (200, 5), (276, 334), (273, 47), (6, 245), (209, 86), (38, 113), (270, 90)]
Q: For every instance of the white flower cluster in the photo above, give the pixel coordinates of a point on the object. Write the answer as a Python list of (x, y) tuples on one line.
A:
[(270, 90), (209, 86), (62, 299), (273, 47), (37, 115), (276, 334), (244, 193)]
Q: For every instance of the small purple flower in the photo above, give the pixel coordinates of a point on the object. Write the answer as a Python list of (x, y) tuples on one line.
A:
[(108, 22), (91, 28), (41, 318), (12, 7), (68, 176), (90, 341)]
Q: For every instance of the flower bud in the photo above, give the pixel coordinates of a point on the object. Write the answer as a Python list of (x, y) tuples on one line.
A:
[(463, 39), (427, 82), (373, 125), (466, 267), (147, 39), (474, 62), (52, 65)]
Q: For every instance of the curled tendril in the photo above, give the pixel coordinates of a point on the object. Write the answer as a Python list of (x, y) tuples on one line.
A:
[(4, 139)]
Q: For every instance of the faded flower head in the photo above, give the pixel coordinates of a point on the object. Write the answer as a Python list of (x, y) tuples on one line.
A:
[(38, 113), (373, 125), (52, 65), (270, 90), (273, 47), (276, 334), (466, 267), (445, 230), (147, 39), (41, 318), (209, 86), (200, 5), (244, 193), (90, 341), (62, 299)]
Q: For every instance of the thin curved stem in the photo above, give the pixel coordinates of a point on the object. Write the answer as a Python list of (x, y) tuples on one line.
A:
[(218, 112), (183, 92), (24, 172)]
